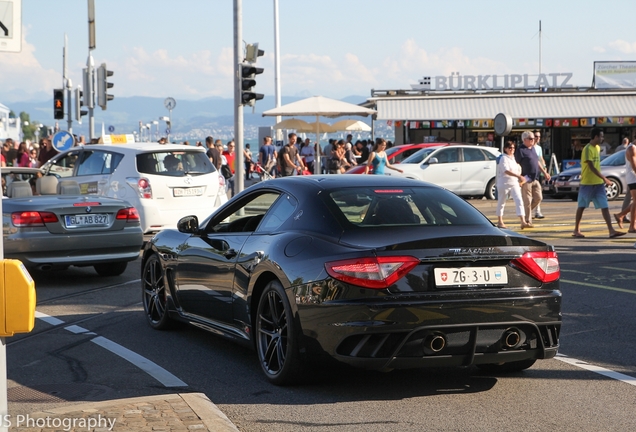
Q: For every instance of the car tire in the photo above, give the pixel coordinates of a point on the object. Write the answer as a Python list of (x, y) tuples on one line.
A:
[(613, 190), (515, 366), (276, 334), (111, 269), (491, 190), (154, 294)]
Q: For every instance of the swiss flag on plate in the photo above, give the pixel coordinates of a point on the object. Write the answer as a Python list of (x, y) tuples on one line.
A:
[(444, 276)]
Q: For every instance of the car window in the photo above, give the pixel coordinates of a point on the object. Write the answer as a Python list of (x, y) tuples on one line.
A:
[(244, 217), (98, 162), (447, 155), (279, 213), (419, 155), (473, 155), (617, 159), (425, 206), (401, 156), (489, 155), (64, 166), (174, 163)]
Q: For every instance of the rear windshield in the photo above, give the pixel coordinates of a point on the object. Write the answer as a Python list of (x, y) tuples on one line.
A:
[(174, 163), (418, 206)]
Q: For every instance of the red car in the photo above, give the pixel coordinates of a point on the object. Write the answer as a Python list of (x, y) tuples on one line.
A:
[(395, 154)]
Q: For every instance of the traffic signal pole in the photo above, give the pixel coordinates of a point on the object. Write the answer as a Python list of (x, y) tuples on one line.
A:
[(239, 168), (89, 87)]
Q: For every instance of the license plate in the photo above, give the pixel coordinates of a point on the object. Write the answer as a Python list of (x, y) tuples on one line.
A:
[(193, 191), (75, 221), (560, 183), (471, 276)]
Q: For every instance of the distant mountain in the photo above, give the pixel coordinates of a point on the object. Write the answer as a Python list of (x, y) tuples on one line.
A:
[(191, 119)]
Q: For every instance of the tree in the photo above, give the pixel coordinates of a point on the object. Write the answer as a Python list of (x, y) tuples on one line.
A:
[(28, 127)]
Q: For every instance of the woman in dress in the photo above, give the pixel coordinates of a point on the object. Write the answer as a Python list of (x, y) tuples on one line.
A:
[(378, 159), (509, 180)]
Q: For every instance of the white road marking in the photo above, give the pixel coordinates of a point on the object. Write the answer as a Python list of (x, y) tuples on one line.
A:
[(48, 319), (151, 368), (597, 369)]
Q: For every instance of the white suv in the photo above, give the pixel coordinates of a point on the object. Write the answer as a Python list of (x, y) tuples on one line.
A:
[(163, 181)]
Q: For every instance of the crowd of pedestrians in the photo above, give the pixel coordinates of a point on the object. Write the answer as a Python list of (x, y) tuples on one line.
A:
[(26, 153)]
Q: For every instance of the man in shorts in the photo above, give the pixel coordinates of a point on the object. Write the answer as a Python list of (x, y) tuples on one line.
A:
[(592, 188)]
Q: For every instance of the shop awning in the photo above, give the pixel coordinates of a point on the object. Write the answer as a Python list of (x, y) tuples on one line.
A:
[(517, 106)]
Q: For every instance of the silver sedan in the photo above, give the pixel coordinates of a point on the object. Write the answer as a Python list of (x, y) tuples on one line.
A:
[(613, 167), (48, 225)]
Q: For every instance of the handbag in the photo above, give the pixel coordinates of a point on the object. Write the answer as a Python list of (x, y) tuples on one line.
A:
[(334, 164), (226, 172)]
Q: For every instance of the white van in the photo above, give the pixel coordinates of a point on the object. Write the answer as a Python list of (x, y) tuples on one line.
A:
[(164, 182)]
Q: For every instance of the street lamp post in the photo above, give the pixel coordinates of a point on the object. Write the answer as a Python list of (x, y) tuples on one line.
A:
[(156, 123)]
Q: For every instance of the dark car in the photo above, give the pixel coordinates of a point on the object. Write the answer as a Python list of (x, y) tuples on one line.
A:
[(375, 272), (613, 167)]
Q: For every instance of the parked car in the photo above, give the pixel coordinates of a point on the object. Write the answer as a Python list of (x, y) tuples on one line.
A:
[(613, 167), (467, 170), (376, 272), (395, 155), (48, 225), (162, 181)]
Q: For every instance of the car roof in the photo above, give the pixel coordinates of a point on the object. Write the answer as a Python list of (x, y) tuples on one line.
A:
[(143, 147), (325, 181)]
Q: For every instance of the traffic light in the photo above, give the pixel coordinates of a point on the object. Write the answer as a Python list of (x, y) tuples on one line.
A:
[(58, 104), (248, 72), (79, 102), (103, 85), (252, 53)]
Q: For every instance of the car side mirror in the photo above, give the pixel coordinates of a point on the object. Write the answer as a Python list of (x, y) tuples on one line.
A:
[(432, 161), (188, 224)]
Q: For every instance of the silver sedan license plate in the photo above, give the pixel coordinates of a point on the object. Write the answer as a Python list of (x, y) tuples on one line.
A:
[(83, 220), (471, 276), (193, 191)]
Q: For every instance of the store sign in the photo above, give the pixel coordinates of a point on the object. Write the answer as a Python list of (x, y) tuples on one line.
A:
[(494, 82), (615, 75)]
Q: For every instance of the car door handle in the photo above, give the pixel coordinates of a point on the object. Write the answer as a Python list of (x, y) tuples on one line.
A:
[(455, 169), (230, 253)]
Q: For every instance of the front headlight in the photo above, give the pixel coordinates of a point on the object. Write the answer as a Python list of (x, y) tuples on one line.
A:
[(576, 177)]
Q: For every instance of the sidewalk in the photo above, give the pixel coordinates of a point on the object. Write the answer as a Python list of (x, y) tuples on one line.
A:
[(172, 412)]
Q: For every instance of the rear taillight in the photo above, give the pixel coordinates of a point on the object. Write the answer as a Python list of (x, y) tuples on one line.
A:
[(129, 214), (145, 191), (221, 182), (543, 266), (32, 218), (371, 272)]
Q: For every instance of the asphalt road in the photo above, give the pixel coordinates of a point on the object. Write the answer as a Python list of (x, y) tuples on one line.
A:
[(591, 386)]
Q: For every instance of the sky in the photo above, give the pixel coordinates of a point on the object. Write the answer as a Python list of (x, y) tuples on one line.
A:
[(333, 48)]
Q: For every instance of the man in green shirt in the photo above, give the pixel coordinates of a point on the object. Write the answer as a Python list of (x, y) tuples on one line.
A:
[(592, 188)]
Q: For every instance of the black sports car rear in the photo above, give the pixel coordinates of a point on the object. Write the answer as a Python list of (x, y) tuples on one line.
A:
[(373, 271)]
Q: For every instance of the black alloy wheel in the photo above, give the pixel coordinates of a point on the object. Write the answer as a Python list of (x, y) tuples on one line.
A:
[(275, 336), (154, 294)]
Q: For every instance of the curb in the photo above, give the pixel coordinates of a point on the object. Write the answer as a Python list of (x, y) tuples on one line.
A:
[(201, 405)]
